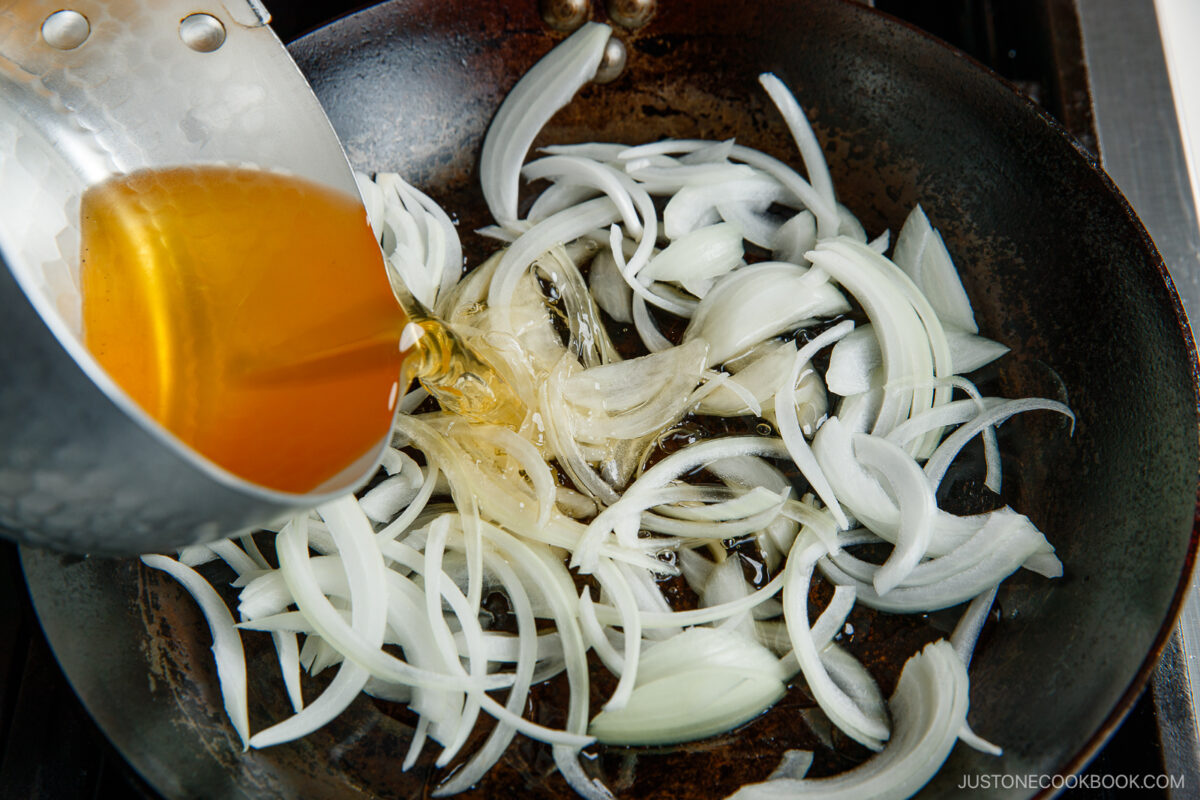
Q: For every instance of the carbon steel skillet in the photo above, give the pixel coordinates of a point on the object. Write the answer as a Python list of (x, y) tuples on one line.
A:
[(1056, 264)]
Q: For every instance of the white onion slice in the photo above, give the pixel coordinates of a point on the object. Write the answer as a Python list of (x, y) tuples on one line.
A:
[(227, 649), (915, 499), (841, 709), (756, 303), (702, 253), (802, 132), (608, 286), (966, 632), (789, 425), (921, 253), (694, 684), (586, 172), (690, 207), (939, 462), (929, 707), (540, 92)]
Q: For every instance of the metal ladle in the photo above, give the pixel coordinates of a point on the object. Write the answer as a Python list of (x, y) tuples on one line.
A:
[(100, 88)]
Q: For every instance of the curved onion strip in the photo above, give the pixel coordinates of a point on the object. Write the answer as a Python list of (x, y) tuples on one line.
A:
[(916, 502), (576, 170), (837, 705), (963, 574), (364, 569), (966, 632), (628, 271), (237, 558), (664, 147), (977, 742), (756, 303), (711, 529), (288, 649), (689, 207), (444, 640), (715, 381), (938, 347), (605, 152), (802, 132), (647, 331), (531, 462), (902, 338), (608, 615), (558, 197), (936, 419), (833, 618), (503, 733), (789, 425), (929, 707), (616, 586), (227, 644), (921, 253), (594, 634), (401, 523), (853, 678), (743, 505), (609, 288), (658, 476), (939, 462), (565, 226), (667, 180), (540, 92)]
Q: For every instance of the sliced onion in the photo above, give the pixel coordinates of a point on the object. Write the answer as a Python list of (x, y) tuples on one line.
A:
[(929, 707), (540, 92), (802, 132), (841, 709), (703, 253), (725, 678), (586, 172), (753, 304), (694, 206), (609, 288), (227, 644), (915, 499), (789, 425), (921, 253)]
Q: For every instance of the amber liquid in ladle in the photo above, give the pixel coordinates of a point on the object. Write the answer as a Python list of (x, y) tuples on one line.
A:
[(250, 314)]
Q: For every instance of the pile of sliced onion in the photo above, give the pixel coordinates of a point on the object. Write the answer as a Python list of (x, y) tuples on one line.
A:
[(757, 264)]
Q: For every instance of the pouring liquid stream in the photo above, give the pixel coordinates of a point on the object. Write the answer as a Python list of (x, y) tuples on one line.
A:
[(250, 314)]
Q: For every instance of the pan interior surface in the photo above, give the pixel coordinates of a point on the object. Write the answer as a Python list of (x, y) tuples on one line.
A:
[(1055, 263)]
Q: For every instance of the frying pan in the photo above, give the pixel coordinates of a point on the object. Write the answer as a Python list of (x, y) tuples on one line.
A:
[(1057, 266)]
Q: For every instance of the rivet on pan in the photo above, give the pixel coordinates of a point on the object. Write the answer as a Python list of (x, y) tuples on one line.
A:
[(612, 64), (564, 15), (66, 29), (203, 33), (631, 13)]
